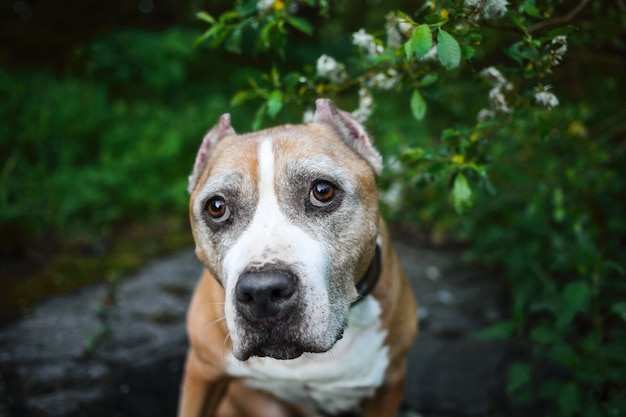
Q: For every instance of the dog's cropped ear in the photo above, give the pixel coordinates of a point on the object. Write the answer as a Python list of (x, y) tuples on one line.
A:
[(222, 129), (351, 131)]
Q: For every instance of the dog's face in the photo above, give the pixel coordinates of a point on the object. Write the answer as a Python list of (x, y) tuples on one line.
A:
[(286, 219)]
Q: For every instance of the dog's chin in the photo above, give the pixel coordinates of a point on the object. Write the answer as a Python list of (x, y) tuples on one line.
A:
[(280, 349), (275, 352)]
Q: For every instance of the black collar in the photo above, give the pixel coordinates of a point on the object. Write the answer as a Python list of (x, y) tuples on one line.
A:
[(369, 280)]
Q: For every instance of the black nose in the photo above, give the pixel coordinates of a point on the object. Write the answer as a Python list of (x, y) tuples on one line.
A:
[(268, 294)]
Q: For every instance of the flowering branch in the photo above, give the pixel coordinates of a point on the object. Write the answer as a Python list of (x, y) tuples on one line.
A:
[(419, 50)]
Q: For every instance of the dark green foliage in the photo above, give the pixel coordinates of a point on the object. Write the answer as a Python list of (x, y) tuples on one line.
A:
[(556, 228), (81, 154), (138, 62)]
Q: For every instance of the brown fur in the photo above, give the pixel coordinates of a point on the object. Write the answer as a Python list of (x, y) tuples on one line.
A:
[(207, 389)]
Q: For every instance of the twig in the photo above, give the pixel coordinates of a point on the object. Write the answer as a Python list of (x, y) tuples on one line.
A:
[(559, 20)]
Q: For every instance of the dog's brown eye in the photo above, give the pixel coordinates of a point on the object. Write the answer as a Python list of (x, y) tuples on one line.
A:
[(217, 209), (322, 193)]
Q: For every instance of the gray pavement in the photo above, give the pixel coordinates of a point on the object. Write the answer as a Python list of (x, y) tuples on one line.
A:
[(81, 354)]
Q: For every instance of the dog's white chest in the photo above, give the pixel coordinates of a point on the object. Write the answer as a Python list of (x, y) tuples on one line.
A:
[(333, 381)]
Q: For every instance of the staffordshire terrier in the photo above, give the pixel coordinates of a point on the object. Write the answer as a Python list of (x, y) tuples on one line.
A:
[(303, 308)]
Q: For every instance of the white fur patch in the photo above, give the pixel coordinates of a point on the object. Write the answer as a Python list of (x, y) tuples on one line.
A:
[(334, 381), (271, 237), (266, 173)]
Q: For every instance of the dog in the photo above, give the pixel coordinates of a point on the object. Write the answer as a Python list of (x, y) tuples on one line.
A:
[(303, 308)]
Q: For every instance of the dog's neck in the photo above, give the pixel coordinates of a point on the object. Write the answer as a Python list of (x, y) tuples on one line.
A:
[(369, 280)]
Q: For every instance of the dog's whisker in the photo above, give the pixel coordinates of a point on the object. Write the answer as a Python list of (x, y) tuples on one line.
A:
[(213, 303), (214, 322), (220, 310), (224, 351)]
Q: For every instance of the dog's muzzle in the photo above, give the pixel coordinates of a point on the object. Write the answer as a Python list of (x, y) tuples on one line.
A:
[(266, 297), (269, 307)]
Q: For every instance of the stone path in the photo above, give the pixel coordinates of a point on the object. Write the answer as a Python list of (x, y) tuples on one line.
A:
[(81, 354)]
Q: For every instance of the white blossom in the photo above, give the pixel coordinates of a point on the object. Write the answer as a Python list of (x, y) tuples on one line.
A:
[(431, 55), (487, 9), (485, 114), (326, 64), (497, 98), (384, 80), (366, 41), (493, 75), (308, 116), (366, 106), (546, 98), (394, 37), (264, 5), (394, 165), (406, 27), (498, 101), (328, 67), (559, 48)]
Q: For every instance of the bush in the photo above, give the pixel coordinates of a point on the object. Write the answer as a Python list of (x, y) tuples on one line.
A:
[(133, 62), (86, 153)]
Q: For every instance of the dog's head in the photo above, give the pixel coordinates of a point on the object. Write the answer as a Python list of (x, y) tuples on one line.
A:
[(286, 219)]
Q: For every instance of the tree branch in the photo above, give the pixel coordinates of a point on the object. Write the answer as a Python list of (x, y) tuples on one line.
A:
[(559, 20)]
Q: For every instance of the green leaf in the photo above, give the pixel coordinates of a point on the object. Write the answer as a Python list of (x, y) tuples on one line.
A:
[(413, 155), (247, 7), (258, 117), (204, 16), (274, 103), (569, 400), (418, 105), (519, 375), (448, 50), (302, 25), (275, 76), (498, 331), (208, 34), (474, 37), (613, 266), (518, 22), (408, 49), (421, 40), (461, 194), (404, 16), (243, 96), (437, 170), (543, 333), (467, 52), (533, 11), (479, 169), (565, 354), (575, 298), (233, 43), (619, 309), (229, 15), (428, 79)]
